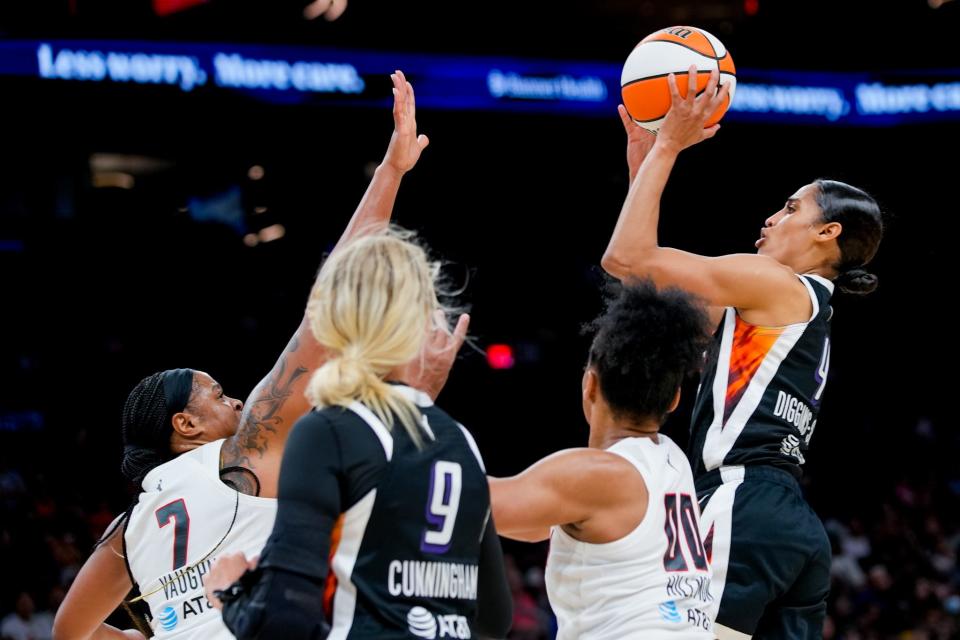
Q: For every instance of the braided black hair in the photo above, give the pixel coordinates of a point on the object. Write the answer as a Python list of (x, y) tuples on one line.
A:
[(146, 420), (146, 428)]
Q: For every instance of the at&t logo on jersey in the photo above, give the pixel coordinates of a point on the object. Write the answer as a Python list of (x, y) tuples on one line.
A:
[(168, 618), (669, 612), (695, 617), (698, 618), (424, 624)]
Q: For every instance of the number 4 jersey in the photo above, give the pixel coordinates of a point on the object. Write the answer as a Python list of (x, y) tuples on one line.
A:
[(185, 517), (651, 584), (761, 388)]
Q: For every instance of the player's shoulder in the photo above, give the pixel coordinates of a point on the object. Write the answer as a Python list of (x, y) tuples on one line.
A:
[(178, 478), (611, 476), (758, 266), (323, 418), (445, 428), (669, 445), (819, 284), (172, 472), (605, 469), (333, 421), (657, 461), (437, 417)]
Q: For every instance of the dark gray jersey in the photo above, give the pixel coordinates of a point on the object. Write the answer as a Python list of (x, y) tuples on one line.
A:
[(395, 540), (761, 389)]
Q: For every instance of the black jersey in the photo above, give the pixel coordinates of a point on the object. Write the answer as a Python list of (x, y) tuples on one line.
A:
[(394, 534), (761, 389)]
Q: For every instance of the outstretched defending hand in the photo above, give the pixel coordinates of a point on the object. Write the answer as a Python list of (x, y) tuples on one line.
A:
[(405, 145), (684, 124), (439, 353)]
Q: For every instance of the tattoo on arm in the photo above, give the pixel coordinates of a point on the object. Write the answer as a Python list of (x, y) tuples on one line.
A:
[(241, 479), (262, 415), (264, 412)]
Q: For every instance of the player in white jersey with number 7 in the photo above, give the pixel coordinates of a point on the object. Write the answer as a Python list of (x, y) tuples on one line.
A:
[(208, 465), (626, 556)]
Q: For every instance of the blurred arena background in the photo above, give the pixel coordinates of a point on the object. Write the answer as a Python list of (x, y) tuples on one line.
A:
[(173, 171)]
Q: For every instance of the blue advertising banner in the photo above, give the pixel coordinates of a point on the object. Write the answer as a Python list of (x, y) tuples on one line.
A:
[(285, 74)]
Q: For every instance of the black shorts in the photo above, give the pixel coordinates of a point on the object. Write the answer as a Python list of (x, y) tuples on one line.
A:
[(769, 553)]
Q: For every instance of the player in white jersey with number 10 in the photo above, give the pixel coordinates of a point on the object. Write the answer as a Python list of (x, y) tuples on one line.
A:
[(626, 555)]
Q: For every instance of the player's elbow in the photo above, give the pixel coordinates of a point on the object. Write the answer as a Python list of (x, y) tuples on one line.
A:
[(615, 265), (536, 534), (66, 629), (500, 498), (58, 633), (622, 265), (515, 524)]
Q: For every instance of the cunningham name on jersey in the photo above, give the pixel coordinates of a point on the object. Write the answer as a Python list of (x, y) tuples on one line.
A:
[(423, 579)]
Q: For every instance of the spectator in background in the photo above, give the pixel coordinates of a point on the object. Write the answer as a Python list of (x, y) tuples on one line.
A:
[(24, 623), (528, 617)]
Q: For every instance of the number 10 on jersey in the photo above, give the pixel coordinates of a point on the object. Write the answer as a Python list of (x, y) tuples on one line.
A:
[(682, 519), (443, 502)]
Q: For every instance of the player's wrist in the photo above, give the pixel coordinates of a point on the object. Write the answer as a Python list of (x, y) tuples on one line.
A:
[(665, 145), (229, 593), (390, 170)]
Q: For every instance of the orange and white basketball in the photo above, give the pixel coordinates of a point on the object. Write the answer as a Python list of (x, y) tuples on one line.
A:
[(644, 88)]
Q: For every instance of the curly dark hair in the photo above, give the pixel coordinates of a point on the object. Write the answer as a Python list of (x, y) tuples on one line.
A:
[(645, 343)]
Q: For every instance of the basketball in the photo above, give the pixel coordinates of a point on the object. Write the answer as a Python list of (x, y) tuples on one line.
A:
[(644, 88)]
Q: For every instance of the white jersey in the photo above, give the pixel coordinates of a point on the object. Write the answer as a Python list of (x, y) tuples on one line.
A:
[(185, 517), (653, 583)]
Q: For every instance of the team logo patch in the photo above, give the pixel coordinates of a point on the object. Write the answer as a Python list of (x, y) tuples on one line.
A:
[(168, 618), (669, 612), (422, 623)]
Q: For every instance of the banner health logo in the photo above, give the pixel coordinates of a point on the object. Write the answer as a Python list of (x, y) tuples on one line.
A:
[(562, 87), (668, 611), (168, 618), (422, 623)]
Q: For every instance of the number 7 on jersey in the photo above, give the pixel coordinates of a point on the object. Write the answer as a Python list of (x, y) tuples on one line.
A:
[(177, 511)]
